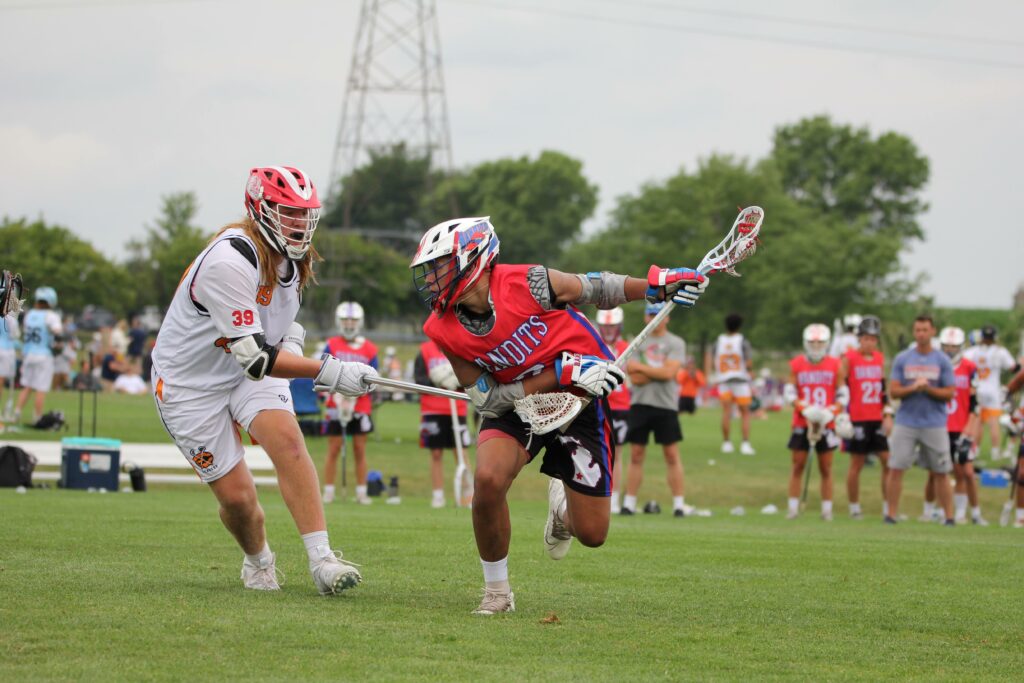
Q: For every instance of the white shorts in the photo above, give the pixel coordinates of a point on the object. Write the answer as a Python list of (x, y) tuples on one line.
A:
[(37, 372), (8, 362), (202, 423), (737, 390), (988, 397)]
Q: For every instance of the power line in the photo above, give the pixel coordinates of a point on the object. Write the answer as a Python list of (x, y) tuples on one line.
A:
[(819, 23), (750, 37)]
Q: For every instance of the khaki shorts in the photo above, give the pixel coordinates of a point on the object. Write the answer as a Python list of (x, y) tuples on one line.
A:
[(933, 443), (735, 390), (202, 423)]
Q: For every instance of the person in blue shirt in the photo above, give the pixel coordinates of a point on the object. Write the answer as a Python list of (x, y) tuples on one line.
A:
[(10, 304), (922, 378), (41, 325)]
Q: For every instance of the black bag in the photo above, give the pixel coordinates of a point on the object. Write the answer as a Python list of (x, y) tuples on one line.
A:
[(16, 467), (53, 420)]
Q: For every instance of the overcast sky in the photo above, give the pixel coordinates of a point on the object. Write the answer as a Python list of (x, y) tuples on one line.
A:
[(106, 105)]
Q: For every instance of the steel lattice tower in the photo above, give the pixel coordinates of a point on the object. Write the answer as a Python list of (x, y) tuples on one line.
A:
[(395, 90)]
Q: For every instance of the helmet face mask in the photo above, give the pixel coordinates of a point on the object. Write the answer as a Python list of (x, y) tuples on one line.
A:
[(451, 257), (609, 324), (952, 339), (349, 315), (816, 338), (852, 321), (283, 203)]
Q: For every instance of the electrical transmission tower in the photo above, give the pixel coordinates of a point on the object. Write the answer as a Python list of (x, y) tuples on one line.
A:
[(395, 90)]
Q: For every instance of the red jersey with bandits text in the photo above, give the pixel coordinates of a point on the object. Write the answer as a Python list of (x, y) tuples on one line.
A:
[(865, 379), (619, 399), (436, 405), (815, 383), (525, 339), (359, 350), (958, 408)]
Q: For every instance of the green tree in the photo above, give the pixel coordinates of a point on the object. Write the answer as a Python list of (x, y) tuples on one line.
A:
[(52, 255), (171, 243), (538, 206)]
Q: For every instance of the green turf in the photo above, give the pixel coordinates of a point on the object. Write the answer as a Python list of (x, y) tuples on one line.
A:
[(145, 586)]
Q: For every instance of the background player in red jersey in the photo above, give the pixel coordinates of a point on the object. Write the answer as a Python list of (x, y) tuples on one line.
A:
[(348, 417), (609, 324), (814, 379), (512, 330), (871, 417)]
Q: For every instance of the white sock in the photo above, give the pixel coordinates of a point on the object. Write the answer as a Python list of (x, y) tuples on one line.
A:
[(496, 574), (929, 508), (994, 454), (1020, 514), (854, 508), (616, 497), (438, 494), (976, 511), (317, 545), (794, 504), (826, 507), (329, 489), (960, 503), (264, 554), (678, 502), (885, 508), (629, 502), (360, 492)]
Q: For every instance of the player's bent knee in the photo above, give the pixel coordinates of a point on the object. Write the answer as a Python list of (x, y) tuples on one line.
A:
[(592, 537)]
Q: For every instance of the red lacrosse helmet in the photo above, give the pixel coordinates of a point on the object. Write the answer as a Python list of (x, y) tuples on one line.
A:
[(283, 203)]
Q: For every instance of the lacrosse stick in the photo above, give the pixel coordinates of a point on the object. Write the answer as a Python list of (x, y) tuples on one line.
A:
[(556, 410), (418, 388), (463, 477), (346, 409), (815, 430)]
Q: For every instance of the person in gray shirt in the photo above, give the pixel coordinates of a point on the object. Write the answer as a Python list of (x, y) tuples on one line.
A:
[(653, 407), (922, 377)]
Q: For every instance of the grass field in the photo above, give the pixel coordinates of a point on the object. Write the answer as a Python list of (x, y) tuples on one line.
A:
[(146, 586)]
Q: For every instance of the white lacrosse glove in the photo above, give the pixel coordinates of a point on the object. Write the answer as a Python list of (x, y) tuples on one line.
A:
[(340, 377), (844, 426), (442, 375), (1011, 426), (817, 414), (682, 285), (293, 340), (594, 375)]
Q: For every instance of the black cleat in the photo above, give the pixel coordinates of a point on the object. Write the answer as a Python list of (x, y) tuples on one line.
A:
[(889, 520), (626, 511), (679, 513), (949, 522)]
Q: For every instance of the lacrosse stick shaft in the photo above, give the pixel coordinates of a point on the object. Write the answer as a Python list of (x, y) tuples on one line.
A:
[(344, 469), (418, 388), (460, 470), (807, 472)]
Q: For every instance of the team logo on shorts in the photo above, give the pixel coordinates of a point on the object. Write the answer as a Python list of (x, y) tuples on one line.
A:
[(587, 471), (284, 399), (201, 457)]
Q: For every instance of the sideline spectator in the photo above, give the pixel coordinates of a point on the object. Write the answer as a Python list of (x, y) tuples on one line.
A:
[(136, 340), (85, 380), (691, 381), (130, 381)]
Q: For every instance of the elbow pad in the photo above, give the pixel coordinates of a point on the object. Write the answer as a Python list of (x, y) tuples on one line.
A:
[(294, 339), (605, 290), (789, 394), (253, 354), (843, 396), (493, 399)]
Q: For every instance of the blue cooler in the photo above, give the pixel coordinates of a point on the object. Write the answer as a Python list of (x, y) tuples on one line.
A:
[(998, 479), (90, 463)]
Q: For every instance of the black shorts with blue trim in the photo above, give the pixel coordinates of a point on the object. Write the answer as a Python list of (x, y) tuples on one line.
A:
[(620, 425), (582, 457)]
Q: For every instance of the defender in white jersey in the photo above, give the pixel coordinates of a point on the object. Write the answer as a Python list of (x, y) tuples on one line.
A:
[(732, 362), (41, 326), (227, 344), (845, 337), (992, 360)]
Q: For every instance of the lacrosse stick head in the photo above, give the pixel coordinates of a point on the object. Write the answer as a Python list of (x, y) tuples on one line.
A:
[(547, 412), (10, 293), (815, 430), (739, 245)]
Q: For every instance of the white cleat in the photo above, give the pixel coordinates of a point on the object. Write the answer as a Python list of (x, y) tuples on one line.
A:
[(925, 517), (364, 500), (727, 447), (960, 520), (557, 538), (792, 514), (332, 574), (437, 503), (747, 449), (1018, 524), (262, 576), (328, 497), (979, 521), (496, 603)]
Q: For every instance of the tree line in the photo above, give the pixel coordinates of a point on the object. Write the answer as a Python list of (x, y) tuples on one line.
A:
[(841, 202)]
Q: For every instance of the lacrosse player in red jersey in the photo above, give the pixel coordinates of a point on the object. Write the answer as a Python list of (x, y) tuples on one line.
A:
[(870, 418), (1012, 387), (347, 417), (513, 330), (225, 348), (609, 324), (815, 390)]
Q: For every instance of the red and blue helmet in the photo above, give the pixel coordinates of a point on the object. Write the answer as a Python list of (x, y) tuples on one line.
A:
[(451, 257)]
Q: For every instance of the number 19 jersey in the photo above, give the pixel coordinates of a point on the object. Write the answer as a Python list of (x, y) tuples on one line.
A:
[(815, 383)]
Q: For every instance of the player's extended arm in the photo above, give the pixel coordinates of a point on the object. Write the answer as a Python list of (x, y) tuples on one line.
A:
[(1015, 383), (604, 290)]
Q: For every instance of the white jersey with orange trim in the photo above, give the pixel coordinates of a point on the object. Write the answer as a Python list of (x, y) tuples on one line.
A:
[(847, 341), (992, 360), (221, 298), (732, 353)]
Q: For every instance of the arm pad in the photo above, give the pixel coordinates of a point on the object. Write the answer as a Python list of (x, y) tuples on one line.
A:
[(294, 339), (789, 394), (493, 399), (605, 290), (253, 354)]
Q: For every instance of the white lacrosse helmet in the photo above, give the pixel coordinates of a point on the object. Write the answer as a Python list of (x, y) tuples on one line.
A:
[(816, 339), (952, 340), (350, 319), (852, 321), (471, 244), (609, 323), (47, 294)]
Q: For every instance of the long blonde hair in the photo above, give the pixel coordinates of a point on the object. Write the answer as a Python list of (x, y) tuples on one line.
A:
[(266, 254)]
